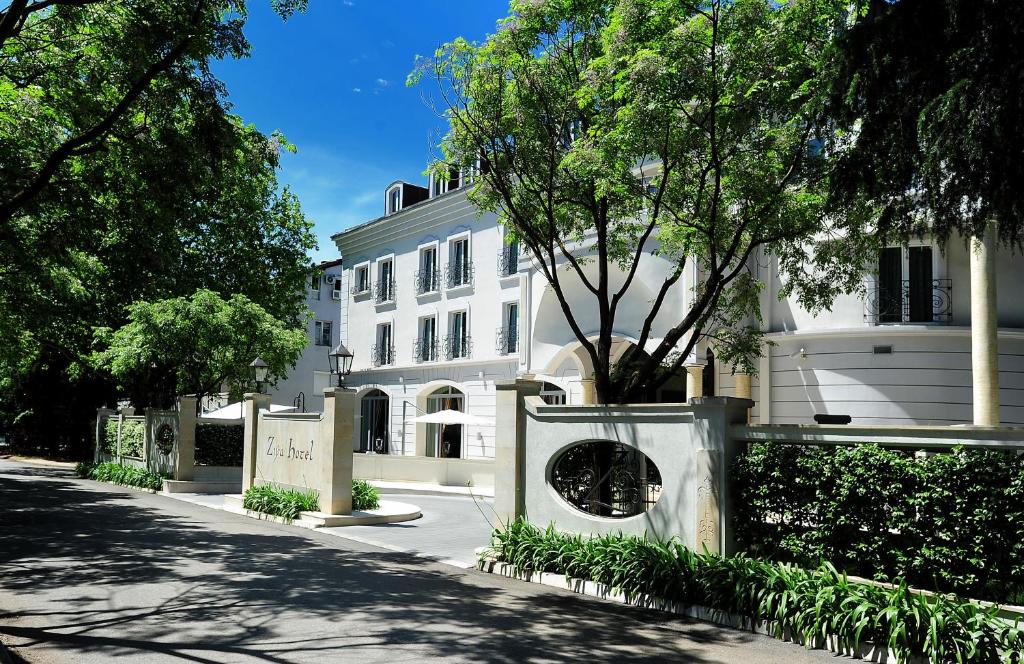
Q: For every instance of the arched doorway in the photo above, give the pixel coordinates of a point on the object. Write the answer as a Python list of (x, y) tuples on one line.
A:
[(373, 426), (445, 440)]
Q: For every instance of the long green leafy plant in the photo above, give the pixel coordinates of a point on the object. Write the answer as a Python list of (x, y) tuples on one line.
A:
[(808, 605)]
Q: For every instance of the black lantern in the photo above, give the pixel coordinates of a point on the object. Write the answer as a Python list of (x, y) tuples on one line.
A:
[(259, 372), (341, 362)]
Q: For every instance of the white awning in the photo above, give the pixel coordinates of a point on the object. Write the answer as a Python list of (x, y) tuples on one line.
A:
[(233, 411), (453, 417)]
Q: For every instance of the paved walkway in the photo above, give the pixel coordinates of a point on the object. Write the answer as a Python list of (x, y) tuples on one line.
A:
[(91, 573)]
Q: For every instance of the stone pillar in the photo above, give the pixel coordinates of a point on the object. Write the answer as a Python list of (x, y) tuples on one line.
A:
[(185, 459), (694, 381), (510, 446), (589, 395), (712, 498), (252, 403), (984, 330), (336, 431)]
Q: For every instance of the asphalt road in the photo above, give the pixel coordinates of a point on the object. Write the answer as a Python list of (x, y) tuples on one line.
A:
[(94, 573)]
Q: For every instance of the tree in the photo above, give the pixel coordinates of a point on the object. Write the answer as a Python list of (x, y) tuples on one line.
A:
[(930, 95), (195, 345), (692, 129), (160, 196)]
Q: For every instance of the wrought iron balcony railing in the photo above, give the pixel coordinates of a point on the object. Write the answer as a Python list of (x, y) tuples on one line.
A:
[(508, 260), (424, 350), (427, 281), (909, 302), (360, 289), (385, 291), (459, 274), (456, 347), (506, 341), (382, 355)]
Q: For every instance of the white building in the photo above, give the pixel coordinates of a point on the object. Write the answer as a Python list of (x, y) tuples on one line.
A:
[(436, 307), (304, 386)]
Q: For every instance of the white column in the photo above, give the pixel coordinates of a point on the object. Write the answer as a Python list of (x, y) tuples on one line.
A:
[(694, 381), (589, 394), (984, 330)]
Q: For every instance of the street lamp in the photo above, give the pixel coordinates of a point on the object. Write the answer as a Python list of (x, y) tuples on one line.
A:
[(259, 372), (341, 362)]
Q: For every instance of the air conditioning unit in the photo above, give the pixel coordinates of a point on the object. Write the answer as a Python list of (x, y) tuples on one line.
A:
[(330, 278), (336, 295)]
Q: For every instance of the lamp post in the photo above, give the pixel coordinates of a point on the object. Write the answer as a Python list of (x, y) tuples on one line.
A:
[(259, 372), (341, 362)]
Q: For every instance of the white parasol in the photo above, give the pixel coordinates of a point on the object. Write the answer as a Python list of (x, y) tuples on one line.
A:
[(453, 417)]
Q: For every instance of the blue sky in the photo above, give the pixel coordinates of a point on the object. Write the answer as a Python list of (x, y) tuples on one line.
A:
[(333, 81)]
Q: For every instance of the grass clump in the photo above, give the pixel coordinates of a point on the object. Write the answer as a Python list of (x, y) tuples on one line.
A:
[(117, 473), (806, 604), (365, 496), (278, 501)]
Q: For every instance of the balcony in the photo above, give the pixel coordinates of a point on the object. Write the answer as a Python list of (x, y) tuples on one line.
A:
[(382, 355), (384, 291), (457, 347), (427, 281), (459, 274), (909, 302), (506, 342), (508, 261), (424, 350)]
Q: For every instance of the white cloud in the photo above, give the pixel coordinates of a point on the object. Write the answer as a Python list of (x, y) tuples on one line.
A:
[(383, 82), (357, 90)]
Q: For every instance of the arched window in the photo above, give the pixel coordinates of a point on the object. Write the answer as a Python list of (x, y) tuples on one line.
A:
[(445, 440)]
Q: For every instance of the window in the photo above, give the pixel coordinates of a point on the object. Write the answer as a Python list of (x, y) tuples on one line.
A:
[(385, 281), (426, 341), (508, 259), (336, 288), (394, 201), (457, 344), (426, 278), (383, 352), (508, 335), (906, 290), (460, 270), (314, 284), (322, 332), (362, 279)]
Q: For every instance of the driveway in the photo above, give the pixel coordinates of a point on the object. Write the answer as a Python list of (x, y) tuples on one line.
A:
[(90, 573)]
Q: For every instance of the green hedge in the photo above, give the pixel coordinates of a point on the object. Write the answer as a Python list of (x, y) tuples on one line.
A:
[(364, 495), (117, 473), (219, 444), (278, 501), (792, 600), (951, 522), (133, 437)]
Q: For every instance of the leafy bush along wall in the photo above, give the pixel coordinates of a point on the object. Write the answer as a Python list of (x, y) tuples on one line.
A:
[(948, 522), (133, 436), (219, 444)]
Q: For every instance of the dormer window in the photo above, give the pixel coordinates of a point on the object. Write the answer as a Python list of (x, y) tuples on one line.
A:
[(394, 199)]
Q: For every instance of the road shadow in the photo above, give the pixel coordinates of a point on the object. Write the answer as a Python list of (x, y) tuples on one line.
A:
[(120, 574)]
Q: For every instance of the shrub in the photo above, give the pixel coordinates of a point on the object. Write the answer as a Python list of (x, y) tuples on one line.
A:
[(808, 604), (109, 445), (950, 522), (84, 469), (278, 501), (364, 495), (126, 475), (133, 437), (219, 444)]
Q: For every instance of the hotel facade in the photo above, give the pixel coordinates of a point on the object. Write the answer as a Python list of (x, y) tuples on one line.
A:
[(436, 306)]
